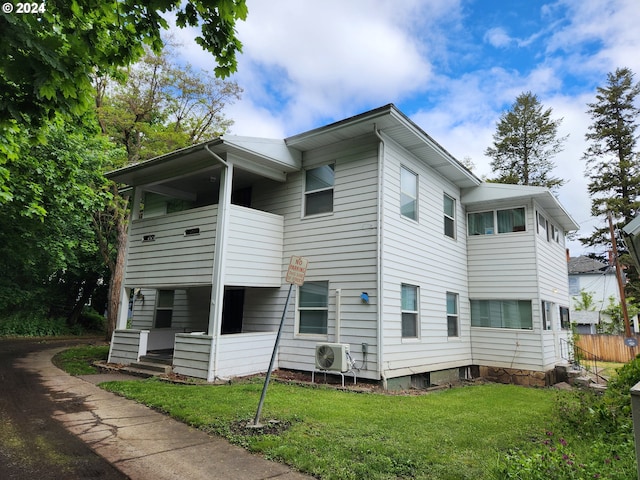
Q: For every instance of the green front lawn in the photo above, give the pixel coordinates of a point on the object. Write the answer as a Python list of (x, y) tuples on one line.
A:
[(460, 433)]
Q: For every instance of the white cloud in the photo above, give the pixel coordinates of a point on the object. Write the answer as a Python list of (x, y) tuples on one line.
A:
[(310, 63), (498, 37)]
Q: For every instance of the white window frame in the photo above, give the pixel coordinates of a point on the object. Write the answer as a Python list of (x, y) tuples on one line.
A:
[(543, 226), (495, 228), (410, 195), (546, 309), (307, 193), (455, 316), (415, 313), (300, 309), (448, 217), (495, 304)]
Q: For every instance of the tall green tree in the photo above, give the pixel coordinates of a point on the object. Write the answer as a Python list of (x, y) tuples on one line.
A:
[(612, 157), (159, 107), (525, 141), (48, 251), (162, 106), (48, 59)]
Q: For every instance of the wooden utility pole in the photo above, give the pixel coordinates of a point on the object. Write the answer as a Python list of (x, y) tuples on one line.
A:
[(623, 299)]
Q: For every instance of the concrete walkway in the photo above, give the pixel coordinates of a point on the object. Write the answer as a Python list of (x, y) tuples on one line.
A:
[(142, 443)]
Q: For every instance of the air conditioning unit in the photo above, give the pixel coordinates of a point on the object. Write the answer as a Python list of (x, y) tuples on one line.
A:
[(332, 356)]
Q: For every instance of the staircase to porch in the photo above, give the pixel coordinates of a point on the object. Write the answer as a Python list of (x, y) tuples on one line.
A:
[(154, 363)]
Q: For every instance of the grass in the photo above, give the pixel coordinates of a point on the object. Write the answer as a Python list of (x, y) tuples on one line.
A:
[(454, 434), (609, 369), (475, 432), (79, 360)]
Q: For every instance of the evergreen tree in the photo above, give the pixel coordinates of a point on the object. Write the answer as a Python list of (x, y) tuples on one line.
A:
[(525, 141), (612, 158)]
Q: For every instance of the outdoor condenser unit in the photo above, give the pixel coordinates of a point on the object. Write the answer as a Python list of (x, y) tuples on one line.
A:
[(332, 356)]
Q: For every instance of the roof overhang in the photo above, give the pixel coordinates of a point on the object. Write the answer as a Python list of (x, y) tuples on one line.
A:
[(266, 157), (496, 192), (393, 124)]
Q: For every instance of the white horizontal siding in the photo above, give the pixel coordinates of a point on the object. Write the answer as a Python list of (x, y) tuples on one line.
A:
[(191, 355), (341, 248), (244, 354), (419, 253), (172, 258), (507, 348), (254, 248), (127, 346)]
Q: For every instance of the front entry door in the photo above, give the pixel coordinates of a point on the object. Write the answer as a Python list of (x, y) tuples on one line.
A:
[(232, 310)]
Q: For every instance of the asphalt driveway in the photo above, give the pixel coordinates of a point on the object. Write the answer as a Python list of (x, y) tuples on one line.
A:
[(33, 445)]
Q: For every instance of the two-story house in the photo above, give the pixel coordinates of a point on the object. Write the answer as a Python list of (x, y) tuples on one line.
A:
[(421, 269)]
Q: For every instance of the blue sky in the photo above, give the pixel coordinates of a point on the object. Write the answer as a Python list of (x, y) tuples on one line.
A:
[(452, 66)]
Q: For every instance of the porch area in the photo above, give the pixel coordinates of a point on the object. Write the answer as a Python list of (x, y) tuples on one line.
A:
[(196, 354)]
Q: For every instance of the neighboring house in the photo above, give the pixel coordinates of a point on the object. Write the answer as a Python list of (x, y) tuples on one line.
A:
[(598, 279), (424, 271)]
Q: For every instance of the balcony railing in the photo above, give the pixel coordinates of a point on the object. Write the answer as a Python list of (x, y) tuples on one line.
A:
[(178, 249)]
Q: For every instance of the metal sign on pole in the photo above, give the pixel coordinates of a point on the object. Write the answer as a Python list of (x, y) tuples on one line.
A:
[(295, 276)]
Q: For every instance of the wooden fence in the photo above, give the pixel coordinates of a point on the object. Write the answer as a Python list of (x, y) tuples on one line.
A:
[(609, 348)]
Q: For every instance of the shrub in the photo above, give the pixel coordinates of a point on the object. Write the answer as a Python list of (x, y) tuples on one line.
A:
[(553, 458), (31, 325), (92, 321)]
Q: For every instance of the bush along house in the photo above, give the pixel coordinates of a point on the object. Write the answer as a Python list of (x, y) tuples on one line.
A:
[(418, 273)]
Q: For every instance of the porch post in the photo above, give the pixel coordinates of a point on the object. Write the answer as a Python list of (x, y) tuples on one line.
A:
[(217, 280), (123, 308), (123, 311)]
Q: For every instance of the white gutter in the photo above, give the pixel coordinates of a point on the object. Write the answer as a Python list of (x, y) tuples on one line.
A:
[(380, 254), (217, 278)]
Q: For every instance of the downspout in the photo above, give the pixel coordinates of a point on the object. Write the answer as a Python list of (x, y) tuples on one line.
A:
[(338, 308), (217, 279), (380, 255)]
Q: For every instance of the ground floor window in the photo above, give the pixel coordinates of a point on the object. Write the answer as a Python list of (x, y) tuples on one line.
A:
[(313, 307), (547, 315), (452, 314), (164, 308), (409, 311), (502, 314), (565, 322)]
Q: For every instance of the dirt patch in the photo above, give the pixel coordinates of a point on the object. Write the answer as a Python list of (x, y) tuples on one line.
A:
[(271, 427)]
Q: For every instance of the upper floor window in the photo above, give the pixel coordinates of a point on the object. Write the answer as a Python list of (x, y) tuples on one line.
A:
[(511, 220), (408, 194), (507, 220), (449, 216), (481, 223), (318, 190), (409, 310), (313, 307), (543, 226)]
